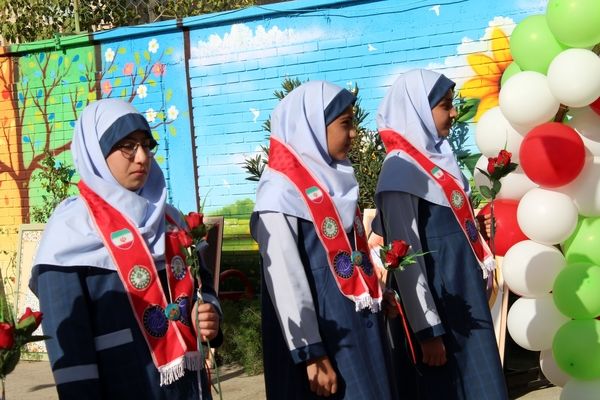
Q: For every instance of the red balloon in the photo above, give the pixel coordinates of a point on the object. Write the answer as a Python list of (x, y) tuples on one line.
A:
[(507, 232), (552, 154), (596, 106)]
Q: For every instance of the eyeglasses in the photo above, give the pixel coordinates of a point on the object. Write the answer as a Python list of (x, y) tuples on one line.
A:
[(129, 149)]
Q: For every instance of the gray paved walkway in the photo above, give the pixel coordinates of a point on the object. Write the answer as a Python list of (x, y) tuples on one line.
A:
[(33, 381)]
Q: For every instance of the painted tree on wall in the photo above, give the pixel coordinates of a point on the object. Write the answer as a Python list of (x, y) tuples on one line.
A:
[(138, 75), (48, 91)]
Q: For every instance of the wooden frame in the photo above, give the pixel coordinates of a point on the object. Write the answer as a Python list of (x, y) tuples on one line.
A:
[(214, 237), (27, 245)]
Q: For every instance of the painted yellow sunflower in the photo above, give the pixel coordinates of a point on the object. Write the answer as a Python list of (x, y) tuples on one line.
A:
[(485, 85)]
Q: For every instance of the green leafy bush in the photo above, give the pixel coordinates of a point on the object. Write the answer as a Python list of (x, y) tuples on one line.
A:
[(242, 332)]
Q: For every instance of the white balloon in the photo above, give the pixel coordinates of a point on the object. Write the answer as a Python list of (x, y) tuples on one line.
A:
[(529, 268), (526, 100), (547, 216), (551, 370), (587, 123), (581, 390), (585, 189), (574, 77), (532, 322), (494, 133), (514, 185)]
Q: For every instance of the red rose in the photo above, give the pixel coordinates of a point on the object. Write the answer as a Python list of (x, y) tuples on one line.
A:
[(491, 167), (7, 338), (29, 321), (185, 239), (503, 158), (400, 248), (391, 259), (194, 219)]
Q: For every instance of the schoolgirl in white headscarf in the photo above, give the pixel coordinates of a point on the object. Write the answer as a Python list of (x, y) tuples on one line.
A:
[(320, 337), (104, 340), (422, 199)]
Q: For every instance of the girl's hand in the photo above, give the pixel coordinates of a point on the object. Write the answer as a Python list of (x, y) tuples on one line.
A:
[(375, 240), (208, 319), (434, 352), (485, 225), (321, 376)]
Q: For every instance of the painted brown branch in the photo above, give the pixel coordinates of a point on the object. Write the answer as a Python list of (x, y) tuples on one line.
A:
[(169, 122), (36, 161), (146, 75), (4, 168)]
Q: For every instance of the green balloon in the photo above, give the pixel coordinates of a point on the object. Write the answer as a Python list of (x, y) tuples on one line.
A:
[(583, 246), (575, 23), (576, 348), (512, 69), (533, 46), (576, 291)]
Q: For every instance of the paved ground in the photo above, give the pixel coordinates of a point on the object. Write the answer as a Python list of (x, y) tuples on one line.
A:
[(33, 381)]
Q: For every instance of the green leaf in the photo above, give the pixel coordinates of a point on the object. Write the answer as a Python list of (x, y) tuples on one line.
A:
[(151, 82), (169, 94), (123, 92), (141, 73), (147, 55), (169, 51), (118, 82), (486, 192), (496, 186), (485, 173), (121, 50), (136, 57), (172, 130)]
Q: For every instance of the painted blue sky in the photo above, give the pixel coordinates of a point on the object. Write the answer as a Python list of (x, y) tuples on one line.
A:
[(235, 68)]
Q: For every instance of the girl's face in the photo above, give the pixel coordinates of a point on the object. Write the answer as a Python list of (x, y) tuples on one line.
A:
[(444, 114), (340, 133), (129, 160)]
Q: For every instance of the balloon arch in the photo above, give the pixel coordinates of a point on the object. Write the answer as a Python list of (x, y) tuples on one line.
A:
[(548, 209)]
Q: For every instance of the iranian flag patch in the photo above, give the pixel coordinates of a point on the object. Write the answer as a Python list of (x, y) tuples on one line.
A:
[(123, 239), (314, 194)]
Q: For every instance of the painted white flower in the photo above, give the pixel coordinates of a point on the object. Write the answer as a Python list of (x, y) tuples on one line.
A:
[(151, 115), (109, 55), (142, 91), (153, 46), (172, 112)]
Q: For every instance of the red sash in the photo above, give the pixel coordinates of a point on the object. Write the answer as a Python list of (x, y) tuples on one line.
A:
[(456, 196), (352, 270), (166, 327)]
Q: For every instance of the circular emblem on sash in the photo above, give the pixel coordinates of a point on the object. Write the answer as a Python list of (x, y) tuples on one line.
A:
[(155, 321), (357, 258), (139, 277), (366, 265), (360, 229), (178, 267), (184, 310), (329, 228), (172, 312), (342, 264), (457, 199), (471, 230)]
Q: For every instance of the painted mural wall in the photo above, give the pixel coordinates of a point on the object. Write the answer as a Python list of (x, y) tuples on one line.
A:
[(206, 86)]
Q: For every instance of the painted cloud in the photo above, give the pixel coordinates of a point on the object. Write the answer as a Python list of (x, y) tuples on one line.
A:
[(243, 43)]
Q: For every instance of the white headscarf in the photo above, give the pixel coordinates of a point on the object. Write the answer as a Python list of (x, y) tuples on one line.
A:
[(299, 121), (406, 109), (70, 238)]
